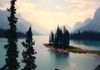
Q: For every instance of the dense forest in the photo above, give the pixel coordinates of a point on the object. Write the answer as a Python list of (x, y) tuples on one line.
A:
[(60, 39), (86, 35), (4, 31)]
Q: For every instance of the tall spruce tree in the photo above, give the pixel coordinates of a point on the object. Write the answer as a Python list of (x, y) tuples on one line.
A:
[(11, 35), (28, 54), (66, 37), (51, 38), (58, 37)]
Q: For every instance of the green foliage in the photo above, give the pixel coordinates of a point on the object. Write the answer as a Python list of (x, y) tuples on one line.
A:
[(28, 54), (51, 38), (60, 39), (11, 35), (66, 37)]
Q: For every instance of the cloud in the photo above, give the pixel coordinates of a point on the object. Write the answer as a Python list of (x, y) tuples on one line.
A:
[(83, 4), (50, 13), (4, 4)]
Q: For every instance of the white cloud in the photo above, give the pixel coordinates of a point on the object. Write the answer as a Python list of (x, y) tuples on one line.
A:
[(50, 13)]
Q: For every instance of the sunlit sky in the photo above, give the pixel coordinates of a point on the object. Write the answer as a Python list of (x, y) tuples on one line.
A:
[(50, 13)]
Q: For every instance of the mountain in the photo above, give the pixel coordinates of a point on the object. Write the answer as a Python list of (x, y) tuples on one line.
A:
[(22, 24), (82, 24), (90, 24)]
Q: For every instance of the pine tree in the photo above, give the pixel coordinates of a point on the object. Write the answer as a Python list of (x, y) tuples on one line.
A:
[(65, 37), (11, 35), (58, 38), (61, 38), (28, 54), (51, 38)]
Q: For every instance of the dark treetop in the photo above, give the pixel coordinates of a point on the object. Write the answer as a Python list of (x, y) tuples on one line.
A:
[(11, 35), (60, 39), (28, 54)]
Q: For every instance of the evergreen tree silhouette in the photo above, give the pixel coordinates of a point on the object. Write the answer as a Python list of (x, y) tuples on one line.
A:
[(11, 35), (28, 54), (51, 38), (58, 37), (66, 37)]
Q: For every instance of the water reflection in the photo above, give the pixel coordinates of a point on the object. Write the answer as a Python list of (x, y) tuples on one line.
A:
[(58, 60), (61, 56), (86, 44), (47, 60)]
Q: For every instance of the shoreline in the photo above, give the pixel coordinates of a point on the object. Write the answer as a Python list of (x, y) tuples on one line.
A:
[(72, 49)]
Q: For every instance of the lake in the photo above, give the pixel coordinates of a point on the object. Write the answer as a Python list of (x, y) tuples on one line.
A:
[(47, 60)]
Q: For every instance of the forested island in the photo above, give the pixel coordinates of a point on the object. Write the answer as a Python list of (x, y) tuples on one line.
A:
[(24, 58), (59, 41)]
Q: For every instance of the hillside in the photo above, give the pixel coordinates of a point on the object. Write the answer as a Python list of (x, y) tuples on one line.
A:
[(22, 24), (90, 24)]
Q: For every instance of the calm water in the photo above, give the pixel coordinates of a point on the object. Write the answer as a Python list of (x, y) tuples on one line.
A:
[(46, 60)]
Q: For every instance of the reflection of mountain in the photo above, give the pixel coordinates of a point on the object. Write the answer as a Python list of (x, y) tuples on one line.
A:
[(90, 24), (22, 24)]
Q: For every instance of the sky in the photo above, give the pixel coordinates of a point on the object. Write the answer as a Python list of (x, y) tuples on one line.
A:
[(48, 14)]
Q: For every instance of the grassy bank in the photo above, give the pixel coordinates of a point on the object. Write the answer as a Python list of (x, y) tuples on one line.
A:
[(73, 49)]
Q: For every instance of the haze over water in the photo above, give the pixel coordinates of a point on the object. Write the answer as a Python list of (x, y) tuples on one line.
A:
[(47, 60)]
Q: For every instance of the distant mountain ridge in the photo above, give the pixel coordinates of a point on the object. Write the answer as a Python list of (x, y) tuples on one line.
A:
[(90, 24), (22, 24)]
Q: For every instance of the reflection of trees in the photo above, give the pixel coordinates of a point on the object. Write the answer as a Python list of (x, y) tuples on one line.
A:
[(28, 57), (56, 69), (61, 56), (11, 35)]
